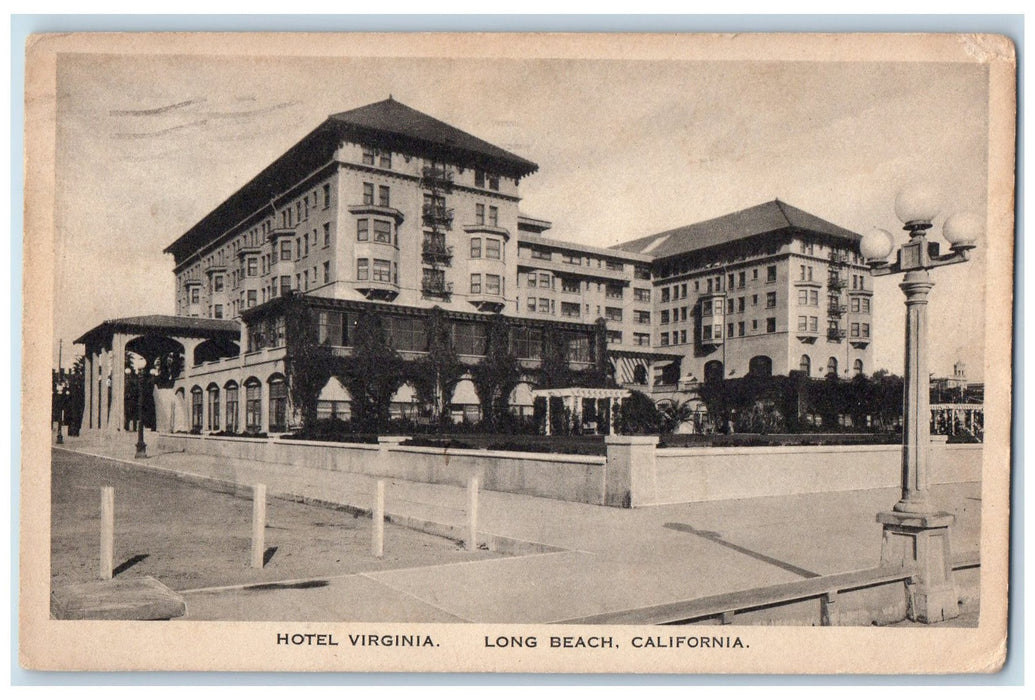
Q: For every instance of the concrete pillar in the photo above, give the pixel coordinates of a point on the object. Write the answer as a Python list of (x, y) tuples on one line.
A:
[(548, 428), (630, 477), (384, 445), (923, 540), (916, 424), (89, 379), (104, 389), (117, 415)]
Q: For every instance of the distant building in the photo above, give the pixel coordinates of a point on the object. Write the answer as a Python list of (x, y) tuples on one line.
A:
[(385, 208)]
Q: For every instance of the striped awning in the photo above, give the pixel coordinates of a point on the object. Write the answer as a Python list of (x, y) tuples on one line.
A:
[(581, 392)]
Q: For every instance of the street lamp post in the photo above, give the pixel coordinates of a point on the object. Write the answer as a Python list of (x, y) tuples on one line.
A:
[(61, 389), (141, 371), (915, 532)]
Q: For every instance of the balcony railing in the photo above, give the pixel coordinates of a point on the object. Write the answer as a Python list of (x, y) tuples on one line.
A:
[(437, 217), (837, 309), (437, 252), (837, 334), (437, 178), (837, 282), (436, 288)]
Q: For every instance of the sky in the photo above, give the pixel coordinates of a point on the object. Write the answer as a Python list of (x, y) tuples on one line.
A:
[(147, 145)]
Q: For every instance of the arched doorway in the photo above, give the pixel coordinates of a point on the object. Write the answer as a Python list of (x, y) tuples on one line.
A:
[(252, 405), (760, 366), (832, 367), (713, 371), (232, 406), (805, 366), (213, 407), (278, 391)]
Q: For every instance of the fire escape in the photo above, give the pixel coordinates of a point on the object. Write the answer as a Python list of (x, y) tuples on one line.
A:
[(836, 283), (436, 182)]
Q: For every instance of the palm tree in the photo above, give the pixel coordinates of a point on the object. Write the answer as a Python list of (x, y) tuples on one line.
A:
[(674, 413)]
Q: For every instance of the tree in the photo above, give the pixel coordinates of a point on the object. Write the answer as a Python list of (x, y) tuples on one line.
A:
[(436, 375), (496, 375), (307, 363), (553, 370), (674, 413), (639, 415), (373, 374)]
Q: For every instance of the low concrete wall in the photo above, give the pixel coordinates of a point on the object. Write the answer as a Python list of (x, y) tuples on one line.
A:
[(719, 473), (565, 477), (633, 474)]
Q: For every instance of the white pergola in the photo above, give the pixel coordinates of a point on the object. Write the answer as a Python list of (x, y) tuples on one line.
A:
[(572, 398)]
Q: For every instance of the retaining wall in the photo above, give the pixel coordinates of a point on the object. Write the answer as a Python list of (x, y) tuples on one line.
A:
[(634, 473)]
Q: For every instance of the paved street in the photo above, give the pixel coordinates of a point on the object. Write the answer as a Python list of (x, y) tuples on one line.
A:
[(602, 559)]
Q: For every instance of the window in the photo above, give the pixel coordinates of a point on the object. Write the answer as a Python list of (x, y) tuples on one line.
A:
[(197, 408), (664, 294), (382, 196), (526, 342), (217, 283), (729, 330), (285, 250), (538, 254), (760, 366), (642, 273), (326, 235), (770, 300), (813, 297), (530, 305), (612, 313), (231, 407), (382, 271), (857, 367), (285, 284), (218, 313), (544, 280), (492, 284), (814, 324), (492, 248), (253, 406), (278, 405), (614, 337), (770, 273), (614, 291), (327, 272), (363, 230), (479, 178), (641, 339), (479, 214), (803, 297), (741, 279), (306, 241), (640, 294), (213, 407), (729, 282), (385, 160), (195, 295), (469, 338), (740, 328), (855, 305), (362, 269), (409, 334), (664, 338), (754, 274), (382, 231), (641, 316), (326, 196), (664, 316), (494, 215), (253, 298), (571, 310), (729, 305), (865, 305), (614, 265), (369, 154), (832, 367), (494, 182), (476, 252), (476, 283), (305, 280), (803, 323), (770, 325), (865, 330), (805, 365), (571, 286), (855, 330)]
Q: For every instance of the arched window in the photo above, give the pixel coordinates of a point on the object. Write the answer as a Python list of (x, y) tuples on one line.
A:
[(213, 407), (278, 404), (640, 375), (713, 371), (232, 425), (760, 366), (253, 405), (857, 367), (832, 367), (197, 408), (805, 366)]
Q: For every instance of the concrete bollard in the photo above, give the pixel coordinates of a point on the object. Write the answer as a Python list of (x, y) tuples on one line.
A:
[(472, 512), (107, 531), (377, 544), (258, 525)]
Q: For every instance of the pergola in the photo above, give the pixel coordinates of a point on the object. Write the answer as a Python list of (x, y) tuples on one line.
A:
[(572, 398)]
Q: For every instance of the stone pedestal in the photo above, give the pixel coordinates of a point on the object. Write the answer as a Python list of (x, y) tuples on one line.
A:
[(922, 539), (631, 477)]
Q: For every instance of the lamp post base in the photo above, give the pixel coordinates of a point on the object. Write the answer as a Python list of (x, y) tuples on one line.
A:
[(923, 540), (141, 450)]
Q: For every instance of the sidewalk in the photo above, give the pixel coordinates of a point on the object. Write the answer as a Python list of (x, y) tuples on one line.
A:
[(597, 559)]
